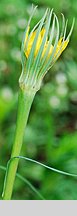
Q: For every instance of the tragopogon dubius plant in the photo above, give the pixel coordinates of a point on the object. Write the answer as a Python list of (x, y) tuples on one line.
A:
[(41, 47)]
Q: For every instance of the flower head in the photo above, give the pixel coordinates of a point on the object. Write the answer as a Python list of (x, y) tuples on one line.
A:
[(41, 47)]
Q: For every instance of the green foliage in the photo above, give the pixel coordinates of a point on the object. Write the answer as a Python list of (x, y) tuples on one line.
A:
[(51, 136)]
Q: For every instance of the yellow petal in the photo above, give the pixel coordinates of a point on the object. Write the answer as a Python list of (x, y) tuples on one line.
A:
[(43, 32), (65, 45), (61, 47), (38, 44), (29, 45), (60, 41), (45, 48), (39, 41)]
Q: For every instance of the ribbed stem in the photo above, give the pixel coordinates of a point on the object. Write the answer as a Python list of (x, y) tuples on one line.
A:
[(24, 104)]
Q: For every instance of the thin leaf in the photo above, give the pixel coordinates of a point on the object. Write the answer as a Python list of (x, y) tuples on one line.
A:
[(48, 167), (27, 182)]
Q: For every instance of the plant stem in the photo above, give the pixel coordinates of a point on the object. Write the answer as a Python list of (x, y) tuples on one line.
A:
[(24, 104)]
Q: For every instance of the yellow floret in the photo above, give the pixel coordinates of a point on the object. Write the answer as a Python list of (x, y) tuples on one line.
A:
[(60, 46)]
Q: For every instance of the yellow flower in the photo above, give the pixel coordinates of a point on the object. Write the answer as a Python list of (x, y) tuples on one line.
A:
[(41, 48), (59, 49)]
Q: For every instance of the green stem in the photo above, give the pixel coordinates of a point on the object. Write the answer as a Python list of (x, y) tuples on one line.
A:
[(24, 104)]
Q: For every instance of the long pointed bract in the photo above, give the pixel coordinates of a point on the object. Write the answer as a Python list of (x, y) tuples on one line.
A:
[(39, 55)]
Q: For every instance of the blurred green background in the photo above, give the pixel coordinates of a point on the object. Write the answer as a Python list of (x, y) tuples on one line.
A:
[(51, 134)]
